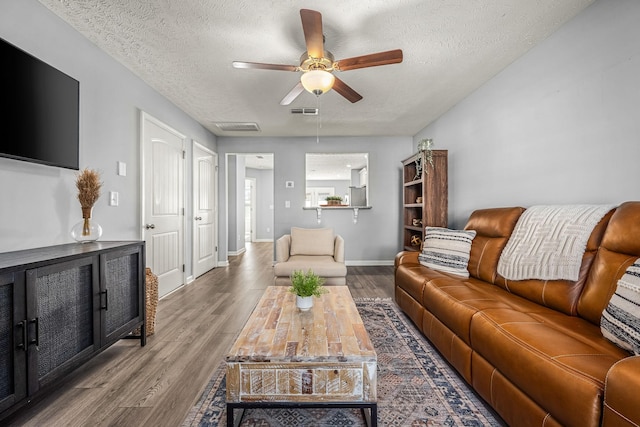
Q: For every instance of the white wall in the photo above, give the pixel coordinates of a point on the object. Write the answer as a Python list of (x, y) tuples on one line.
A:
[(560, 125), (375, 239), (39, 204)]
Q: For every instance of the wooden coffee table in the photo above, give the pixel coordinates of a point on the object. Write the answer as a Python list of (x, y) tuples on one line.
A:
[(284, 357)]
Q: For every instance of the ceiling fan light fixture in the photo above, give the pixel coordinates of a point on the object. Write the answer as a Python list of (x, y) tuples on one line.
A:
[(317, 81)]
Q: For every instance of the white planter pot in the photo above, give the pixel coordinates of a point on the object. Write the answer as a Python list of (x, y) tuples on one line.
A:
[(304, 303)]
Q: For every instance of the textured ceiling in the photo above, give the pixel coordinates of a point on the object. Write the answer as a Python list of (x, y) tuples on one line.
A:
[(184, 49)]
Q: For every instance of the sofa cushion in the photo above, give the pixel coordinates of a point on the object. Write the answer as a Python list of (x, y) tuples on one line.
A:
[(312, 241), (557, 369), (447, 250), (561, 295), (619, 249), (493, 228), (455, 301), (621, 319)]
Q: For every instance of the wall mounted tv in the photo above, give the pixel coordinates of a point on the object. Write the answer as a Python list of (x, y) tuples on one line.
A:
[(39, 110)]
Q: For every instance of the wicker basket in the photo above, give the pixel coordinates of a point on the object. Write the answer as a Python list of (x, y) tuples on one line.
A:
[(151, 302)]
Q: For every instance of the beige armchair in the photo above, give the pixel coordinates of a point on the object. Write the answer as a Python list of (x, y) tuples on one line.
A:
[(317, 249)]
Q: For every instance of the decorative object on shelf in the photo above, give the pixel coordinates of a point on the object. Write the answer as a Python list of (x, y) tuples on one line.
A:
[(306, 286), (419, 199), (334, 200), (418, 169), (89, 185), (416, 240), (425, 145), (417, 222)]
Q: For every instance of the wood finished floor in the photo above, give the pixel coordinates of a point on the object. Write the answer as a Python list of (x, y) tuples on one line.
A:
[(157, 385)]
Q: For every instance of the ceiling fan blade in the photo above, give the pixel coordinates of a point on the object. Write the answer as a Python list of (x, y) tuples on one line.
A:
[(372, 60), (261, 66), (293, 94), (312, 27), (345, 90)]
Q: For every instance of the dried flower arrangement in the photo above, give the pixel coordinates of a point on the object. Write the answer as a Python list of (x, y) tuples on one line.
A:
[(88, 184)]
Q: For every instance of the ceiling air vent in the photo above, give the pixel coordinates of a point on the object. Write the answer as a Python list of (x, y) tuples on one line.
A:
[(238, 127), (305, 111)]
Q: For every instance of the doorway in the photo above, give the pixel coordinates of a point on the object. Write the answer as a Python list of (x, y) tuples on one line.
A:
[(244, 224)]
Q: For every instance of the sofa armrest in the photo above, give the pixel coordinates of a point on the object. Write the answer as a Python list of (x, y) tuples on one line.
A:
[(406, 257), (621, 397), (283, 247), (338, 251)]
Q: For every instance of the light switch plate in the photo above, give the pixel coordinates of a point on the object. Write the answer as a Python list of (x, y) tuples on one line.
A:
[(122, 169), (114, 198)]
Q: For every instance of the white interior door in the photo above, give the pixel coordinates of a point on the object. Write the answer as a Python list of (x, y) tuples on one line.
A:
[(205, 225), (163, 202)]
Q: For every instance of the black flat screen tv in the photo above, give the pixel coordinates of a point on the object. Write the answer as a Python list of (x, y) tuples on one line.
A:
[(39, 110)]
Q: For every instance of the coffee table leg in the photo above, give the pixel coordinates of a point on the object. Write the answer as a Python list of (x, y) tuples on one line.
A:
[(231, 421), (229, 416), (371, 415)]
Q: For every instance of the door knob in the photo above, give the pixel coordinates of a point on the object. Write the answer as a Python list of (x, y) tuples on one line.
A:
[(150, 226)]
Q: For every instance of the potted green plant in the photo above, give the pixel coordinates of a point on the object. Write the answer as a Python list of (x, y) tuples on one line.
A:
[(334, 200), (306, 286)]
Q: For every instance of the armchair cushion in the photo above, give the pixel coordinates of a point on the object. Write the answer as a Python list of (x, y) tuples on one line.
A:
[(323, 265), (312, 241)]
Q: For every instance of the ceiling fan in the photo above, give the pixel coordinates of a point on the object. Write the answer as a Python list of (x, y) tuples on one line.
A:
[(318, 64)]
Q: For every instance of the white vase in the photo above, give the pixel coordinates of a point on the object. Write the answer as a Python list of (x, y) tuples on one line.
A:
[(304, 303)]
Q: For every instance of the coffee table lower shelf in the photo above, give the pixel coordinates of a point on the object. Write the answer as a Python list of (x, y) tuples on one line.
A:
[(369, 409)]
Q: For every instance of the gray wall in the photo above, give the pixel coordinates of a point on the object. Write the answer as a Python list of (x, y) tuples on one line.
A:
[(560, 125), (375, 239), (39, 204), (235, 192), (264, 202)]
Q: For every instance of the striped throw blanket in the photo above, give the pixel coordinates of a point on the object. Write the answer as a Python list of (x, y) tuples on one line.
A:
[(548, 242)]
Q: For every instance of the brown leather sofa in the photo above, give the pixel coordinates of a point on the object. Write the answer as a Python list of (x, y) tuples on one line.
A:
[(532, 349)]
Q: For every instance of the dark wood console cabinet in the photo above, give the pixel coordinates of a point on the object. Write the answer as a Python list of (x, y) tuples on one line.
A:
[(60, 306)]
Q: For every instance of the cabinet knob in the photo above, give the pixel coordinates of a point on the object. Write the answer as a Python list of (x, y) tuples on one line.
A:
[(198, 218), (150, 226)]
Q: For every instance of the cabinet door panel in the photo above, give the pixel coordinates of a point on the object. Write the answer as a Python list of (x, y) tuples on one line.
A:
[(121, 284), (13, 379), (62, 317)]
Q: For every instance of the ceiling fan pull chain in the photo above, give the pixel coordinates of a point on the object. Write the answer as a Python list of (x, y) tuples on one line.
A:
[(318, 119)]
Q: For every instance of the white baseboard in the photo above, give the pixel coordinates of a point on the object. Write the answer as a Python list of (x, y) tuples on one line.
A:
[(238, 252), (223, 264), (364, 263), (190, 280), (263, 241)]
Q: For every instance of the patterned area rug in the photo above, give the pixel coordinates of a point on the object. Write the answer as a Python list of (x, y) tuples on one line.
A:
[(416, 387)]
